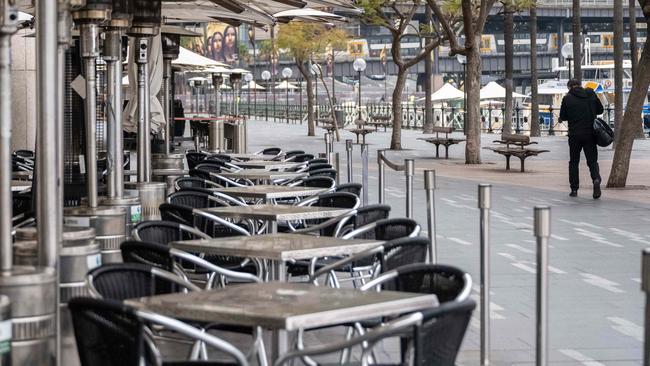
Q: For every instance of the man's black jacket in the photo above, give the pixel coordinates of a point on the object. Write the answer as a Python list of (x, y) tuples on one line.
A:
[(579, 107)]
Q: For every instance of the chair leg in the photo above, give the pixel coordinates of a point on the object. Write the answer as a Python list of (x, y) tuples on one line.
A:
[(345, 354), (261, 350)]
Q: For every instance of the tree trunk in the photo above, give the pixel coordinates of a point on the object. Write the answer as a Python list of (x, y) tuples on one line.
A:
[(508, 35), (534, 102), (577, 43), (396, 137), (618, 62), (428, 106), (331, 103), (311, 125), (634, 51), (473, 108), (628, 129)]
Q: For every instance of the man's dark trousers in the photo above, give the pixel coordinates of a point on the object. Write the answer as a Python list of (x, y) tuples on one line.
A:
[(586, 142)]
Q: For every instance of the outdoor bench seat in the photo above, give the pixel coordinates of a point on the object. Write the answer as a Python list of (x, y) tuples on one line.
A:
[(361, 131), (519, 150), (445, 141)]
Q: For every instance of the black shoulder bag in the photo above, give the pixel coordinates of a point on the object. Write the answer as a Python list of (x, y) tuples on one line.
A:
[(603, 133)]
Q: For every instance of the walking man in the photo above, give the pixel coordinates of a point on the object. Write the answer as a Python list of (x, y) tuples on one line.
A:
[(580, 107)]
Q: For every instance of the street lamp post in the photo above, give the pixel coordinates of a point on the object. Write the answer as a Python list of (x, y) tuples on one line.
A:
[(316, 70), (462, 59), (359, 66), (266, 76), (248, 78), (567, 53), (286, 74)]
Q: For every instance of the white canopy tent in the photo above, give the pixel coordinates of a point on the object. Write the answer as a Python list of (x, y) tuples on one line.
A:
[(189, 59), (446, 93), (308, 14), (286, 85), (252, 85), (495, 91)]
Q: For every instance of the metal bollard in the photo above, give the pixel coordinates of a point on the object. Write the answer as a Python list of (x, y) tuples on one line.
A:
[(645, 286), (484, 203), (380, 178), (409, 171), (328, 145), (334, 161), (430, 187), (196, 143), (542, 231), (364, 173), (348, 151)]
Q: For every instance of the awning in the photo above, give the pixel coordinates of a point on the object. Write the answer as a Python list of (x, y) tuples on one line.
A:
[(495, 91), (446, 93), (189, 59), (286, 85)]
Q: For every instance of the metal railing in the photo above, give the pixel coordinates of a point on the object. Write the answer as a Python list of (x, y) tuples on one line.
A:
[(409, 170)]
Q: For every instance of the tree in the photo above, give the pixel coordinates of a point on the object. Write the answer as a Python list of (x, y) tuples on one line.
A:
[(618, 62), (577, 43), (508, 38), (626, 131), (303, 41), (534, 100), (396, 16), (473, 15)]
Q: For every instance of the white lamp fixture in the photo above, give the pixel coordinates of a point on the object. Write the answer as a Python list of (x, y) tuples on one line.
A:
[(359, 65)]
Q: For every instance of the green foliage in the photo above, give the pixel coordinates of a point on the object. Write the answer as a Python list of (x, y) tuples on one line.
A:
[(372, 11), (267, 49), (305, 40)]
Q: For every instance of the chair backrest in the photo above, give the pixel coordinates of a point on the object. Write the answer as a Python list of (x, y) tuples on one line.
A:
[(354, 188), (223, 157), (337, 199), (447, 282), (165, 232), (121, 281), (210, 166), (108, 333), (190, 182), (404, 251), (194, 158), (318, 182), (291, 153), (272, 151), (317, 161), (195, 198), (441, 334), (390, 229), (313, 167), (300, 158), (176, 213), (323, 172), (151, 254), (200, 173), (369, 214)]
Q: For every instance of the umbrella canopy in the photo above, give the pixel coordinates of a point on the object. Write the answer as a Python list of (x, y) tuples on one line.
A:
[(189, 59), (446, 93), (286, 85), (253, 86), (495, 91), (308, 14)]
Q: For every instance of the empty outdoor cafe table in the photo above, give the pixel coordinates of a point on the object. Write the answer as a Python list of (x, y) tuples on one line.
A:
[(270, 192), (284, 307), (20, 185), (278, 248), (268, 164), (261, 175), (274, 213)]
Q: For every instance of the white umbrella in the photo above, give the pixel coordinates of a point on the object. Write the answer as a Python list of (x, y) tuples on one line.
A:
[(309, 14), (286, 85), (446, 93), (189, 59), (252, 85), (495, 91)]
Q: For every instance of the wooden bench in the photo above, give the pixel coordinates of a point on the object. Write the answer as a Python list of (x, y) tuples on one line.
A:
[(445, 141), (328, 127), (515, 145), (379, 121), (361, 131)]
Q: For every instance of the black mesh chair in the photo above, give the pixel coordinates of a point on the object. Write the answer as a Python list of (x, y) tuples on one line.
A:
[(109, 333), (313, 167), (227, 199), (317, 161), (218, 179), (316, 182), (193, 182), (292, 153), (177, 213), (300, 158), (354, 188), (387, 229), (195, 199), (270, 151), (165, 232), (444, 326), (194, 158), (121, 281), (210, 166), (323, 173), (222, 164), (366, 215), (334, 225), (180, 262)]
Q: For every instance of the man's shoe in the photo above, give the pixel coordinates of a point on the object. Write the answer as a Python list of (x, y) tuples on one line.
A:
[(574, 193), (597, 191)]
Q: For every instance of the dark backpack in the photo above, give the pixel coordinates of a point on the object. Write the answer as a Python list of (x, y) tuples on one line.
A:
[(603, 133)]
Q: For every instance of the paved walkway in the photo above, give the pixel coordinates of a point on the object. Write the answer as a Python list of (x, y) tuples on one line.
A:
[(596, 306)]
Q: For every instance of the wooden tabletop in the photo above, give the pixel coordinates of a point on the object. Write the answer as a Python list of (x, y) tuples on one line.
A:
[(285, 306), (265, 191), (279, 247), (277, 212)]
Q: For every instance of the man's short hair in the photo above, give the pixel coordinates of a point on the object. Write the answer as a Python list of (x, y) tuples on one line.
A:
[(572, 83)]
